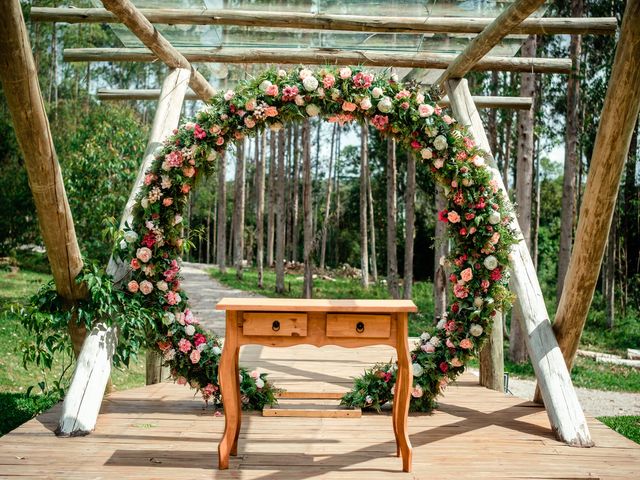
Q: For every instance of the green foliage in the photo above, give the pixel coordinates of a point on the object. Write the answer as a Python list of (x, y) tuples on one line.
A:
[(629, 426), (17, 408), (373, 389)]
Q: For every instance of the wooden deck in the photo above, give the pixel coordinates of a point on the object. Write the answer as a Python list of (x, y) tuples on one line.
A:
[(161, 431)]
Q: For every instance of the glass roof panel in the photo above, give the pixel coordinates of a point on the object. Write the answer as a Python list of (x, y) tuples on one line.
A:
[(211, 36)]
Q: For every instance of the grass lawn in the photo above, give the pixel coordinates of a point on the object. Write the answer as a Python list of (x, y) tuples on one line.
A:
[(15, 406), (629, 426)]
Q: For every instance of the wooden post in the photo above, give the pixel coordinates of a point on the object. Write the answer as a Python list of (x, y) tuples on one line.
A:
[(318, 56), (352, 23), (148, 35), (619, 115), (492, 358), (489, 38), (565, 413), (19, 77)]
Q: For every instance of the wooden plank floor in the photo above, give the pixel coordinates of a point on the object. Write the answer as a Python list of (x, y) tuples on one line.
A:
[(162, 431)]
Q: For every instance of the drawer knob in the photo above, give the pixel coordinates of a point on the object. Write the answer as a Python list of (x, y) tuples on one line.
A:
[(275, 326), (360, 327)]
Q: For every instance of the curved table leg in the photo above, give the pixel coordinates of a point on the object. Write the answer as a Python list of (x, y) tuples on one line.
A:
[(404, 383), (234, 448), (230, 389)]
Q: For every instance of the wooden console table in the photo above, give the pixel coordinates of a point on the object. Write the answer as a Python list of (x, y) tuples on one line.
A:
[(288, 322)]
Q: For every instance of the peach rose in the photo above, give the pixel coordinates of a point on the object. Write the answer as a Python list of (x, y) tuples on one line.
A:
[(466, 275), (466, 344), (453, 216), (133, 286), (146, 287)]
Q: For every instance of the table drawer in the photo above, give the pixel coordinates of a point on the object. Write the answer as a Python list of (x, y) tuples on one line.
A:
[(274, 324), (358, 326)]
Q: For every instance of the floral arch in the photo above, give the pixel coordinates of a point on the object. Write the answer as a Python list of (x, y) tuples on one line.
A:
[(476, 213)]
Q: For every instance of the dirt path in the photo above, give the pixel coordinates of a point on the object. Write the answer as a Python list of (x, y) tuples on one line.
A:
[(204, 292)]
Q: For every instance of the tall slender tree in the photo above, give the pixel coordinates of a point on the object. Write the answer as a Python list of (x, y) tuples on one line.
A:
[(392, 213), (410, 213), (260, 178), (272, 198), (441, 252), (568, 211), (280, 215), (371, 224), (295, 228), (221, 257), (238, 210), (524, 179), (327, 202), (307, 206), (364, 235)]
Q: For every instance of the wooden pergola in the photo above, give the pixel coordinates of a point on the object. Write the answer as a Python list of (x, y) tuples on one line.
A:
[(551, 350)]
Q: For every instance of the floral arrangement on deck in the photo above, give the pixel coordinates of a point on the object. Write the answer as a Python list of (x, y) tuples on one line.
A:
[(477, 216)]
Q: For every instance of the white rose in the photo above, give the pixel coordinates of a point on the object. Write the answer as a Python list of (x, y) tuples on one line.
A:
[(425, 336), (310, 83), (478, 302), (365, 103), (435, 341), (177, 219), (162, 286), (475, 330), (478, 161), (304, 73), (385, 105), (259, 383), (426, 153), (123, 245), (313, 110), (282, 73), (168, 318), (419, 97), (494, 217), (130, 236), (264, 85), (440, 142), (145, 203), (189, 330), (417, 369), (216, 350), (229, 94), (491, 262), (376, 92)]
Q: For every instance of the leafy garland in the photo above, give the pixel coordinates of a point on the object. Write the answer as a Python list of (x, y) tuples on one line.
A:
[(477, 215)]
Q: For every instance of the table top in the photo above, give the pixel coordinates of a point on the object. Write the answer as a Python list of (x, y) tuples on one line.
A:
[(315, 305)]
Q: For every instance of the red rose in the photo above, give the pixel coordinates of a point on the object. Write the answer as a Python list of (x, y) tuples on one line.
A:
[(442, 216), (444, 366), (199, 339)]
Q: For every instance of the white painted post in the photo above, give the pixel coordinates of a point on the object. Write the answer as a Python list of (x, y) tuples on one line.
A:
[(563, 408), (93, 368)]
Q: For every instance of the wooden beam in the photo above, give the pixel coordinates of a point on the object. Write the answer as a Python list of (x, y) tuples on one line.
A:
[(84, 397), (348, 23), (482, 44), (617, 121), (563, 408), (20, 84), (320, 56), (160, 46), (514, 103)]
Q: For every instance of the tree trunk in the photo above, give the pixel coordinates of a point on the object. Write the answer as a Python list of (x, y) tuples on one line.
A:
[(372, 225), (631, 225), (327, 203), (364, 236), (272, 198), (336, 248), (610, 274), (568, 210), (280, 217), (392, 255), (492, 129), (506, 164), (307, 288), (221, 248), (410, 217), (441, 252), (295, 229), (260, 178), (238, 210), (524, 177)]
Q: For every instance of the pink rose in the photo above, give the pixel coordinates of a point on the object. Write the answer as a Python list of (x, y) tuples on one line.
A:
[(466, 275), (184, 345), (132, 286), (466, 344), (185, 188), (345, 72), (417, 391), (135, 264), (195, 356), (299, 100), (144, 254), (255, 374), (146, 287), (460, 291), (328, 81), (428, 348), (449, 343), (249, 122), (425, 110), (448, 120), (453, 216), (173, 298), (229, 94), (219, 141), (189, 171), (495, 238), (272, 90), (181, 380)]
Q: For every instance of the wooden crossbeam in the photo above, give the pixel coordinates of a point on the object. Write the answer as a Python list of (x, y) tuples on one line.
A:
[(320, 56), (515, 103), (312, 21), (130, 16), (489, 38)]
